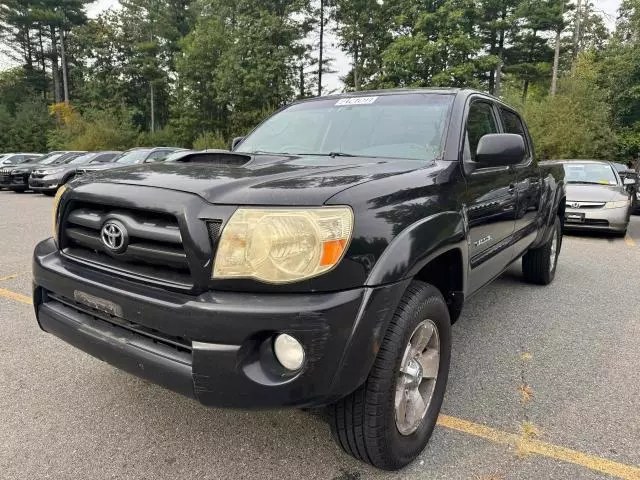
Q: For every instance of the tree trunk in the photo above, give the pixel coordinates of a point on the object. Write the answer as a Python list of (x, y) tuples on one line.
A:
[(556, 62), (498, 73), (54, 66), (301, 79), (492, 73), (65, 76), (525, 91), (153, 112), (321, 48), (42, 64), (576, 33), (498, 84), (356, 73)]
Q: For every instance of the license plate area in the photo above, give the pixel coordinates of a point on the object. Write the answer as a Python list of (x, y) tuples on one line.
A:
[(574, 217), (97, 303)]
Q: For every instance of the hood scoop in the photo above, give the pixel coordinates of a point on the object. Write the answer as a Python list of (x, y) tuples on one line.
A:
[(216, 157)]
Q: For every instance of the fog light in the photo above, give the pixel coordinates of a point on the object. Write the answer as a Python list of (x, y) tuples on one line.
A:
[(289, 351)]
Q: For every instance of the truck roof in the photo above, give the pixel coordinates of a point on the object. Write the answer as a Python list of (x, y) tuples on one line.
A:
[(402, 91)]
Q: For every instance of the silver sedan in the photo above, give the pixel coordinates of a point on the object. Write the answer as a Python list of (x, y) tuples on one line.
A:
[(596, 197)]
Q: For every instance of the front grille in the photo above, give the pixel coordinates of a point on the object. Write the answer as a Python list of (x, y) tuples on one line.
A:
[(19, 178), (585, 205), (5, 175), (154, 249), (181, 345)]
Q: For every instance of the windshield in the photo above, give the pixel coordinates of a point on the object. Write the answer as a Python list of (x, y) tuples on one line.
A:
[(14, 159), (595, 173), (49, 159), (134, 156), (388, 126), (87, 157)]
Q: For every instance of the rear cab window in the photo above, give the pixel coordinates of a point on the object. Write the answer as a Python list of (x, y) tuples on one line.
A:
[(512, 123)]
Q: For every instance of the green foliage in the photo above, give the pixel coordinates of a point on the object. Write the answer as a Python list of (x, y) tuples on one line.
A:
[(163, 136), (210, 140), (576, 123), (442, 48), (95, 130), (199, 72)]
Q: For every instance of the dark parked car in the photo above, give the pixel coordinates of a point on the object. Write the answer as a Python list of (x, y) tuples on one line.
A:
[(596, 197), (19, 176), (17, 158), (320, 263), (5, 172), (47, 179), (134, 156), (630, 177)]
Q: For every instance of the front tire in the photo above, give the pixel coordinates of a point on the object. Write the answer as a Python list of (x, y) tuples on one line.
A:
[(539, 265), (388, 421)]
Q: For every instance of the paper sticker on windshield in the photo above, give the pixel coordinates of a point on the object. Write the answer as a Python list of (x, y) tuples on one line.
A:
[(356, 101)]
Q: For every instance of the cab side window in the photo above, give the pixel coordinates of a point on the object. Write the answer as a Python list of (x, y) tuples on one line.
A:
[(158, 155), (513, 124), (480, 122)]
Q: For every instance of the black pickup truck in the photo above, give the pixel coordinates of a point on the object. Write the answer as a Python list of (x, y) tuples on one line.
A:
[(320, 263)]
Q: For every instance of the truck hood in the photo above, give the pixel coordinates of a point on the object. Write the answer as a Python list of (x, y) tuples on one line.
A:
[(595, 193), (264, 180)]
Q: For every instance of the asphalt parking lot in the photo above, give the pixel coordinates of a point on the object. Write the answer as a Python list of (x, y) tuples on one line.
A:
[(545, 383)]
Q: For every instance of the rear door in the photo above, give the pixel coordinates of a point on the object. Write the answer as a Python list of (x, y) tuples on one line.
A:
[(528, 184), (490, 199)]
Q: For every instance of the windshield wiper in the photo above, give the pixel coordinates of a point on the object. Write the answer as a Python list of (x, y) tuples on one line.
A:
[(330, 154), (263, 152)]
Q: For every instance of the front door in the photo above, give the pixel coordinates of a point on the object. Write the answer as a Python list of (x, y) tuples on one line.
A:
[(491, 201), (528, 185)]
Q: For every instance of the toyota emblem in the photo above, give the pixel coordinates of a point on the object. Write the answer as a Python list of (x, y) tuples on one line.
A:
[(114, 236)]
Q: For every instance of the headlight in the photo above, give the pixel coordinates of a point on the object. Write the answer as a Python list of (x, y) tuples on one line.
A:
[(619, 204), (52, 171), (280, 245), (54, 214)]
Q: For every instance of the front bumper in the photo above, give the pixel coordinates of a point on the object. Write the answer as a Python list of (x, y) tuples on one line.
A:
[(605, 219), (44, 184), (19, 181), (215, 347)]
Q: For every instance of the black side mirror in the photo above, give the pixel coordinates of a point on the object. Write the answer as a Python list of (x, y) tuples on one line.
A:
[(235, 142), (501, 149)]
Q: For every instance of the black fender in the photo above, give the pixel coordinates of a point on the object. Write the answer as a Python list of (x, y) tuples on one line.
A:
[(67, 178), (418, 244)]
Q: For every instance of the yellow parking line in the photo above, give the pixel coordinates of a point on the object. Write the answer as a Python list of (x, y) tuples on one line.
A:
[(18, 297), (629, 241), (528, 445), (12, 276)]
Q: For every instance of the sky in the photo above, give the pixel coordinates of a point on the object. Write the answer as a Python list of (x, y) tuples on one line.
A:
[(341, 62)]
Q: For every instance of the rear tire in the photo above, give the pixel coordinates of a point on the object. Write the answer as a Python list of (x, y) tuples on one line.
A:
[(367, 423), (539, 265)]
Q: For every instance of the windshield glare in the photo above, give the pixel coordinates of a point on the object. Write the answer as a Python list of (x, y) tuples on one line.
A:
[(597, 173), (387, 126), (49, 159), (132, 157), (87, 157)]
